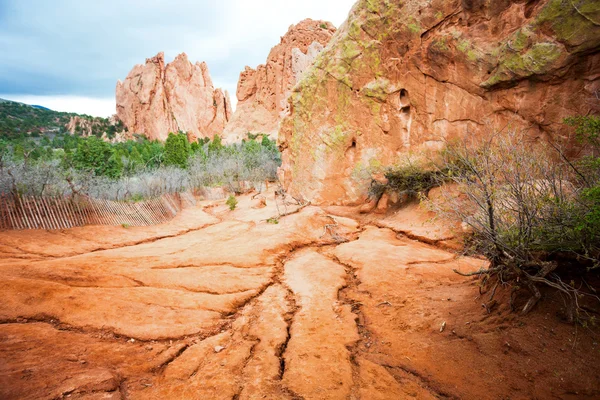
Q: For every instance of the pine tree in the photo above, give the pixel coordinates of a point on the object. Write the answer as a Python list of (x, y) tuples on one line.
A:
[(177, 150)]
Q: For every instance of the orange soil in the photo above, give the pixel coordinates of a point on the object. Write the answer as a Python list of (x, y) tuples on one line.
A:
[(223, 305)]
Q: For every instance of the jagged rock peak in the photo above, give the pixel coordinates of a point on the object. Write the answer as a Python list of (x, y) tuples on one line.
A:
[(156, 99), (262, 93)]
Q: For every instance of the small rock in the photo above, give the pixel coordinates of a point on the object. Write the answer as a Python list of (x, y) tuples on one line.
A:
[(368, 207), (219, 349), (382, 205), (443, 326), (261, 203), (132, 340)]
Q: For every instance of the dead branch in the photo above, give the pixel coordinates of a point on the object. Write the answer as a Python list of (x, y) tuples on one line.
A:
[(478, 273), (285, 214), (332, 229)]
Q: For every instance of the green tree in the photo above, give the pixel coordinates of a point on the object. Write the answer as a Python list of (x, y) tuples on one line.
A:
[(95, 155), (177, 150), (216, 146)]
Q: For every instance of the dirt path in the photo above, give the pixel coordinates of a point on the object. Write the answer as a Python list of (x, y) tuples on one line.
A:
[(223, 305)]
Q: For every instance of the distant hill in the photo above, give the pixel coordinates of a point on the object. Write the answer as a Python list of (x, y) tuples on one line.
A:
[(41, 107), (18, 118)]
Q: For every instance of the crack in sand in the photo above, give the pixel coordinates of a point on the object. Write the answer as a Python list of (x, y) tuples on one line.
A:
[(423, 381), (171, 358)]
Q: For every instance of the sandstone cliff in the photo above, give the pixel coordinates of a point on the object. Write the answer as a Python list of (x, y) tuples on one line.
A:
[(407, 76), (111, 129), (262, 93), (156, 99)]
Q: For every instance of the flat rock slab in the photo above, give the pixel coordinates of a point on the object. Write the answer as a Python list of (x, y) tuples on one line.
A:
[(220, 304)]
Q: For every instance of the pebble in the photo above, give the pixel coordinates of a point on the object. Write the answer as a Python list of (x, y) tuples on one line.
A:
[(219, 349)]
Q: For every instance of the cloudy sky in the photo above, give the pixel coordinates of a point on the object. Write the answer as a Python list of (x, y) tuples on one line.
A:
[(68, 54)]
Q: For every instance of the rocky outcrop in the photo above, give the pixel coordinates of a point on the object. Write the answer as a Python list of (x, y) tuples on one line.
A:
[(408, 76), (156, 99), (262, 93), (109, 129)]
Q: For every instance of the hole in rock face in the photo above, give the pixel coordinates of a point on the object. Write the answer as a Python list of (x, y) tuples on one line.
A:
[(405, 111), (404, 101), (351, 151)]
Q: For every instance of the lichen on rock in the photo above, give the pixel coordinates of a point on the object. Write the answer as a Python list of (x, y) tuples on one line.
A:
[(411, 75)]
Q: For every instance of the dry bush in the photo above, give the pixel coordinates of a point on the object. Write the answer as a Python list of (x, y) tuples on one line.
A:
[(522, 206)]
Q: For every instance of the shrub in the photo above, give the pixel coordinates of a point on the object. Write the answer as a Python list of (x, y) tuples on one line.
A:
[(132, 170), (231, 202), (177, 150), (412, 179), (524, 209)]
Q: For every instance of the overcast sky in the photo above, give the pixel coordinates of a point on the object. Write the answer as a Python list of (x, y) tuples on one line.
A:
[(68, 54)]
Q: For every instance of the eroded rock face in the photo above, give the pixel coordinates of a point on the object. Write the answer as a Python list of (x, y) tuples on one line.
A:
[(262, 93), (156, 99), (403, 77)]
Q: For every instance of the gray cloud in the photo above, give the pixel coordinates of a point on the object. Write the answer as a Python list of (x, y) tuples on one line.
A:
[(82, 47)]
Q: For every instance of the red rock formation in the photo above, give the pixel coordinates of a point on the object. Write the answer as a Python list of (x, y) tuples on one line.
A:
[(90, 126), (156, 99), (407, 76), (262, 93)]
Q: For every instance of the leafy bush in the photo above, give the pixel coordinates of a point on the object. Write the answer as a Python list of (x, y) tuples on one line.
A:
[(409, 178), (97, 155), (231, 202), (177, 150)]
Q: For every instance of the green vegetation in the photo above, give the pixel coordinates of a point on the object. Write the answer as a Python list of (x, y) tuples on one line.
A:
[(231, 202), (536, 218), (573, 23), (17, 118), (131, 170), (411, 179), (414, 26), (538, 59), (177, 150), (96, 156), (587, 169)]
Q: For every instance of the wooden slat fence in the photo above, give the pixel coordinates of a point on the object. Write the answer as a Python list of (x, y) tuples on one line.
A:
[(28, 212)]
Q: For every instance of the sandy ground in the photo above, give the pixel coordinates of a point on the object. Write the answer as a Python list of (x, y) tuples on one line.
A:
[(224, 305)]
